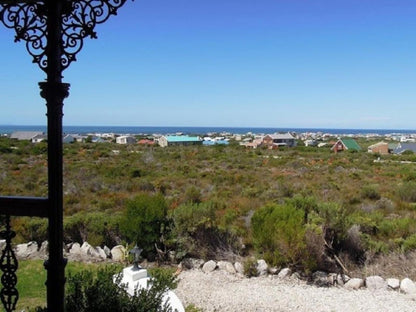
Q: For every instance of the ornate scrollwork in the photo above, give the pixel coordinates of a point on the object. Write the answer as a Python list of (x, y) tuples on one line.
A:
[(78, 21), (8, 265)]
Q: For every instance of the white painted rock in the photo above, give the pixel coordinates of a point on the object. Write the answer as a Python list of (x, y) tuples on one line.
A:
[(393, 283), (26, 251), (239, 267), (88, 250), (354, 283), (44, 250), (408, 286), (209, 266), (284, 273), (117, 253), (226, 266), (375, 283), (262, 267), (75, 249)]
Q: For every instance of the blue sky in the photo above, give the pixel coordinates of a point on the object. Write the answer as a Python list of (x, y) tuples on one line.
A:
[(264, 63)]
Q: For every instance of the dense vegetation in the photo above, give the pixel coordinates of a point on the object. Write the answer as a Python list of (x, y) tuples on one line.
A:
[(304, 206)]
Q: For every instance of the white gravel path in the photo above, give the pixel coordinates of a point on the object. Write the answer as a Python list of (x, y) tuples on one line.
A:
[(220, 291)]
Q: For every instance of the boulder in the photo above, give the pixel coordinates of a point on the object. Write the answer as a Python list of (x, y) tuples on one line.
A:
[(408, 286), (375, 283), (262, 267), (27, 251), (284, 273), (75, 249), (101, 253), (393, 283), (342, 279), (320, 279), (226, 266), (107, 251), (354, 283), (192, 263), (239, 267), (90, 251), (44, 250), (118, 253), (209, 266), (273, 270)]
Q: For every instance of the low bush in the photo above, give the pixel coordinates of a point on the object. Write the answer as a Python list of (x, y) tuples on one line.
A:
[(279, 234)]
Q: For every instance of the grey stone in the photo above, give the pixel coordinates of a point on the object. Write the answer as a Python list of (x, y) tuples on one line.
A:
[(408, 286), (354, 283), (393, 283), (192, 263), (320, 279), (226, 266), (209, 266), (284, 273), (262, 267), (118, 253), (107, 251), (101, 253), (375, 283)]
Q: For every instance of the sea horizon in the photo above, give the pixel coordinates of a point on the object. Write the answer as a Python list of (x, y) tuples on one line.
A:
[(149, 130)]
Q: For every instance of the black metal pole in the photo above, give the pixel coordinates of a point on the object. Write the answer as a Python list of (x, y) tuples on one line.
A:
[(54, 92)]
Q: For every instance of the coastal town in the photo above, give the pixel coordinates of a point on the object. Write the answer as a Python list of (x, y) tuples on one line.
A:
[(392, 143)]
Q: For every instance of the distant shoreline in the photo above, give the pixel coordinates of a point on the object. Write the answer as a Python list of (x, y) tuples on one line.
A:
[(149, 130)]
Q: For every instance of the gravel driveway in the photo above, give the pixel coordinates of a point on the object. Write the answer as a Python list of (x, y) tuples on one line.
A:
[(220, 291)]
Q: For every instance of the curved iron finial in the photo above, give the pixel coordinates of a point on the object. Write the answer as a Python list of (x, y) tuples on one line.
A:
[(79, 18), (8, 265)]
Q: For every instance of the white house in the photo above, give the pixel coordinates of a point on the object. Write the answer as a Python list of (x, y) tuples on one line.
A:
[(125, 139)]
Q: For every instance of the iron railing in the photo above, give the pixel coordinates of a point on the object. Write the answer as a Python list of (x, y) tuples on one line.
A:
[(54, 32)]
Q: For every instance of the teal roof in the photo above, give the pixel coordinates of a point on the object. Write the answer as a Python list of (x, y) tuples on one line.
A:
[(351, 144), (182, 138)]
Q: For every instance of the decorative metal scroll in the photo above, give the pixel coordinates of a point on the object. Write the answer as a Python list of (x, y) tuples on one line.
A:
[(79, 18), (8, 265)]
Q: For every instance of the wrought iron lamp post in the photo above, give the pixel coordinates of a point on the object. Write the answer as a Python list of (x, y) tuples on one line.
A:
[(54, 32)]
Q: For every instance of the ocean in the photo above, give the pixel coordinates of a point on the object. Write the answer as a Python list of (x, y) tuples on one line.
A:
[(148, 130)]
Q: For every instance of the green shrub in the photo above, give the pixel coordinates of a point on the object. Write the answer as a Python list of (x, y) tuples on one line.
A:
[(90, 291), (279, 233), (145, 222), (409, 243), (250, 267), (370, 192), (197, 234), (407, 192)]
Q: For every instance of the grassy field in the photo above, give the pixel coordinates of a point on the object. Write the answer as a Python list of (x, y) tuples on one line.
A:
[(31, 277)]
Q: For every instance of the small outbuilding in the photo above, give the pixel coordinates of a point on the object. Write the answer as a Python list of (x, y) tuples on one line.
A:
[(346, 144), (381, 148)]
